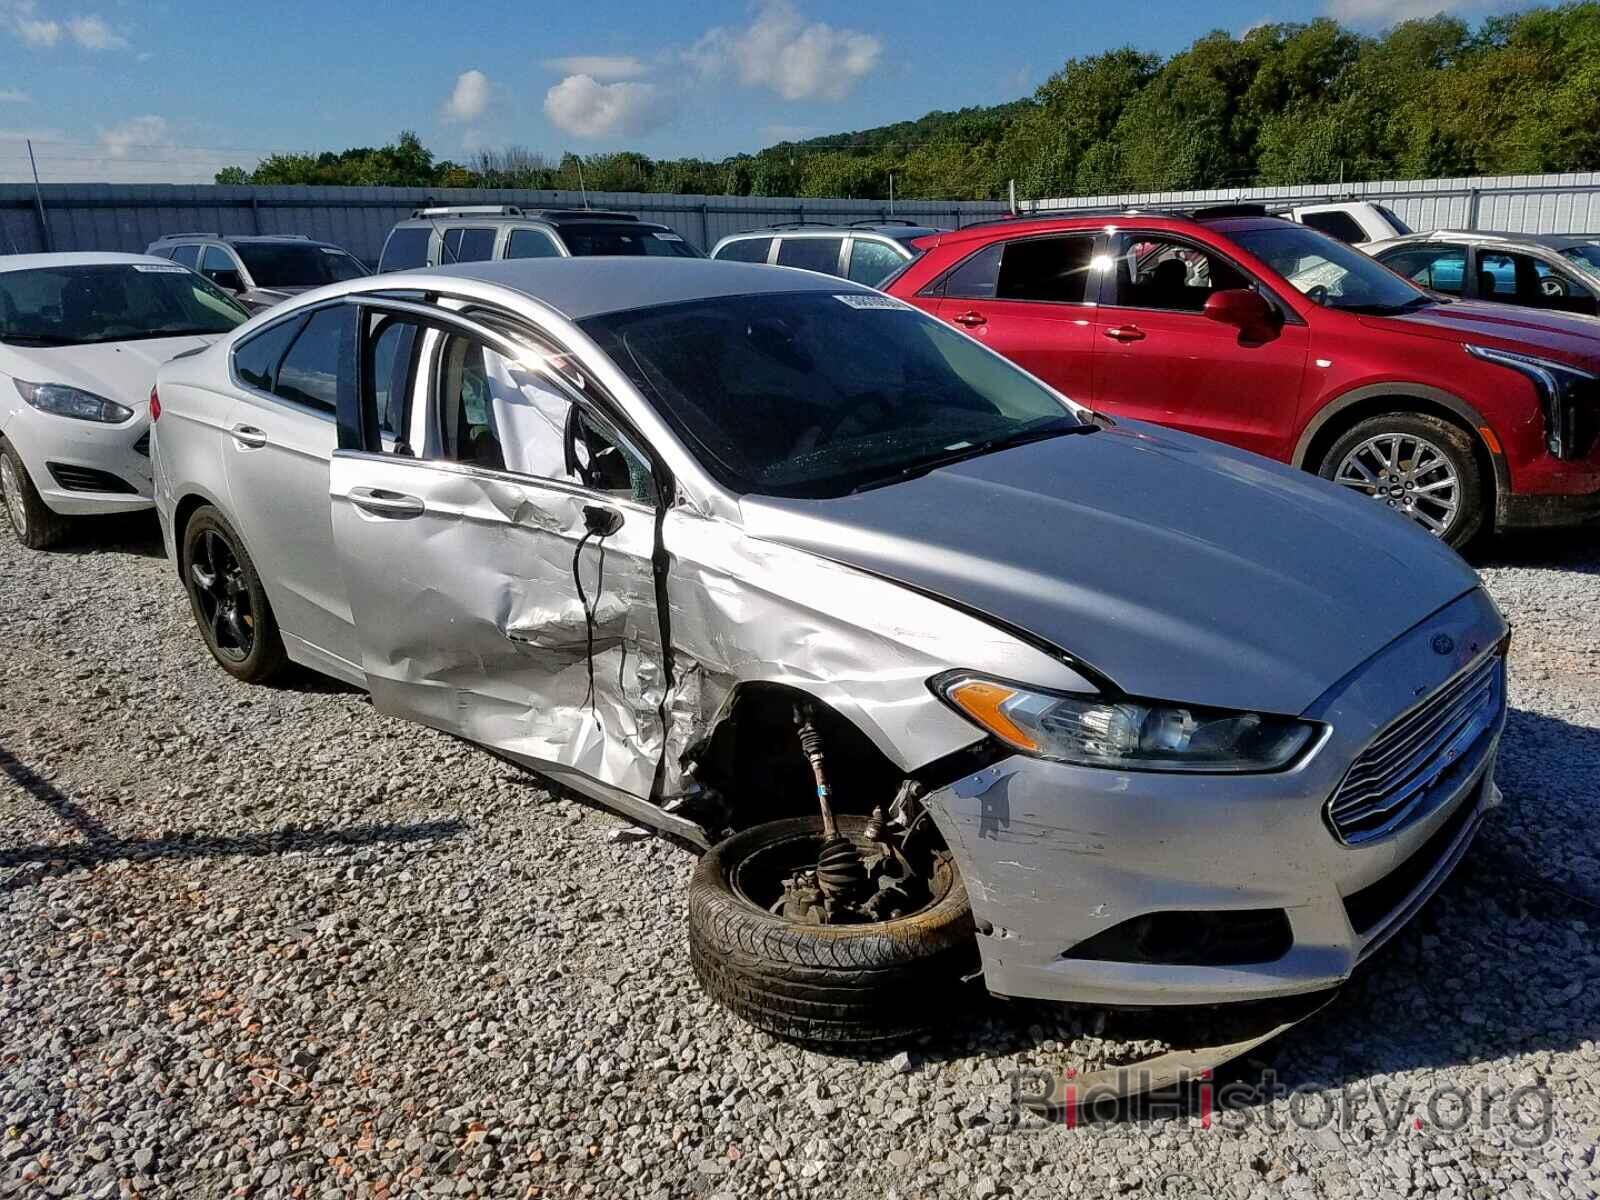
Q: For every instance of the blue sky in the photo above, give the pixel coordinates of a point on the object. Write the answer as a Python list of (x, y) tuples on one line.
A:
[(168, 91)]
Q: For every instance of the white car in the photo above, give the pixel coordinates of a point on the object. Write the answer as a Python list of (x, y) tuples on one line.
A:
[(81, 336), (1359, 222)]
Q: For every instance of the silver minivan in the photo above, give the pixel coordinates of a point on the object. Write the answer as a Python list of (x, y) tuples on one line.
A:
[(942, 671)]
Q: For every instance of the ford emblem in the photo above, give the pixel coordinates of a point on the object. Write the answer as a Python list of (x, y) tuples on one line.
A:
[(1443, 643)]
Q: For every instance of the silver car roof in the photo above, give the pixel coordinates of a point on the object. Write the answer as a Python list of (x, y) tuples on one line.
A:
[(589, 286)]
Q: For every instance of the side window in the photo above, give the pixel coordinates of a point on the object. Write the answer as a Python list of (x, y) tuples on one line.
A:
[(406, 249), (872, 261), (1442, 268), (492, 412), (256, 360), (1497, 278), (309, 373), (810, 253), (1163, 273), (217, 265), (187, 255), (1339, 225), (1054, 269), (746, 250), (977, 277), (531, 243), (392, 345), (468, 245)]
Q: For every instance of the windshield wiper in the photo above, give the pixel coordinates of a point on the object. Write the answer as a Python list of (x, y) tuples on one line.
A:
[(1389, 310), (36, 339), (963, 451)]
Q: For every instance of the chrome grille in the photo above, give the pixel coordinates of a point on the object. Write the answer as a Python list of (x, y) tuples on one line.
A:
[(1392, 783)]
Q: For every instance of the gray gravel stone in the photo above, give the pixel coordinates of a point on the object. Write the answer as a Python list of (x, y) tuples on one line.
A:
[(265, 941)]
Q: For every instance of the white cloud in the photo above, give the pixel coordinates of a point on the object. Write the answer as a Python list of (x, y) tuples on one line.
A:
[(92, 33), (469, 97), (1392, 12), (780, 50), (583, 106), (604, 67), (143, 133), (89, 30), (13, 96)]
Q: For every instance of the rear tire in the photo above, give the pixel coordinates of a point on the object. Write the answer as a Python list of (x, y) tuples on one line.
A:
[(826, 984), (230, 606), (30, 518), (1423, 452)]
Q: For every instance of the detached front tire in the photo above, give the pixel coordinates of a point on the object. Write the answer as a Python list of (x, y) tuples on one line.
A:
[(30, 518), (825, 984), (1422, 467)]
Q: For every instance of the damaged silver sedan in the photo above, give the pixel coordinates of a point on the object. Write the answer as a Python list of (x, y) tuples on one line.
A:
[(942, 671)]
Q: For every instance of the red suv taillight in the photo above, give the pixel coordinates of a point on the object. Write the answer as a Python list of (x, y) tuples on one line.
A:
[(155, 404)]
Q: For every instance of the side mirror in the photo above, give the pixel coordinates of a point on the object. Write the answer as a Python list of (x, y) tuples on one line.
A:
[(228, 281), (1245, 310)]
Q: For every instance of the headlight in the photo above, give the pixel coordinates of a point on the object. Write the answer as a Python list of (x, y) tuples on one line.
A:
[(1570, 398), (66, 401), (1125, 734)]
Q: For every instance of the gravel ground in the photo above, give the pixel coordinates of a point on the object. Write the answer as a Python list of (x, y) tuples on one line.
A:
[(266, 942)]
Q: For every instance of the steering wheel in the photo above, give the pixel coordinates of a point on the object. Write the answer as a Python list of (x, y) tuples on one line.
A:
[(1318, 294)]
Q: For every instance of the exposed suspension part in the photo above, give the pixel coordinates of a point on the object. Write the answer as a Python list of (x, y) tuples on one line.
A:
[(841, 875)]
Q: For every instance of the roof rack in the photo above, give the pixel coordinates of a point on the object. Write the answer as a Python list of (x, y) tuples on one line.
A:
[(467, 210), (802, 224), (869, 222), (188, 233), (1214, 211)]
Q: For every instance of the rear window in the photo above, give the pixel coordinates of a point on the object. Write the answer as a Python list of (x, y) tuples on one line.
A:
[(810, 253), (406, 248), (1400, 227), (746, 250)]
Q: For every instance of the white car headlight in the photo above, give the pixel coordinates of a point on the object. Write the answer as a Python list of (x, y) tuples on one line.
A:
[(1125, 734), (73, 402)]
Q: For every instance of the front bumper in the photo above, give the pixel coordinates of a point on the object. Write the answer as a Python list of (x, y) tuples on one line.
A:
[(1054, 855), (60, 451)]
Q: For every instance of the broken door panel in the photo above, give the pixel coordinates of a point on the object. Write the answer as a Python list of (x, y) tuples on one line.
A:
[(487, 608)]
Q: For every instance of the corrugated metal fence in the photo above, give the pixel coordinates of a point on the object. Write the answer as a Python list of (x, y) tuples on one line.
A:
[(1508, 203), (90, 216)]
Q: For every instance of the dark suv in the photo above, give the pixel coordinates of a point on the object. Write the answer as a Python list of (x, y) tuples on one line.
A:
[(1274, 337), (462, 233), (260, 270)]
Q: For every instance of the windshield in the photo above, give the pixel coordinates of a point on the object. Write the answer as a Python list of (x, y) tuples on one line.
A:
[(625, 239), (292, 264), (1586, 255), (1401, 229), (1329, 272), (817, 394), (117, 302)]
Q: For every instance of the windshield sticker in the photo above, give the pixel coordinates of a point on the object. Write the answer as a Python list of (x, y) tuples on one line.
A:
[(668, 237), (161, 269), (867, 300)]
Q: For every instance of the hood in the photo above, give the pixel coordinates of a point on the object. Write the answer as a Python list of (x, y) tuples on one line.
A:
[(120, 371), (262, 297), (1180, 569), (1566, 337)]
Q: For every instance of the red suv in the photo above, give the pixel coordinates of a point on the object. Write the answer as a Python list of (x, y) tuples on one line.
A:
[(1271, 336)]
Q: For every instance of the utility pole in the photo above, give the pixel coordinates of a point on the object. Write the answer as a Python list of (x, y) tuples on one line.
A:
[(38, 199)]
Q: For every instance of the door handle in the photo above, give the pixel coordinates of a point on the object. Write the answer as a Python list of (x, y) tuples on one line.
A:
[(382, 503), (248, 436), (1125, 333), (970, 319)]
